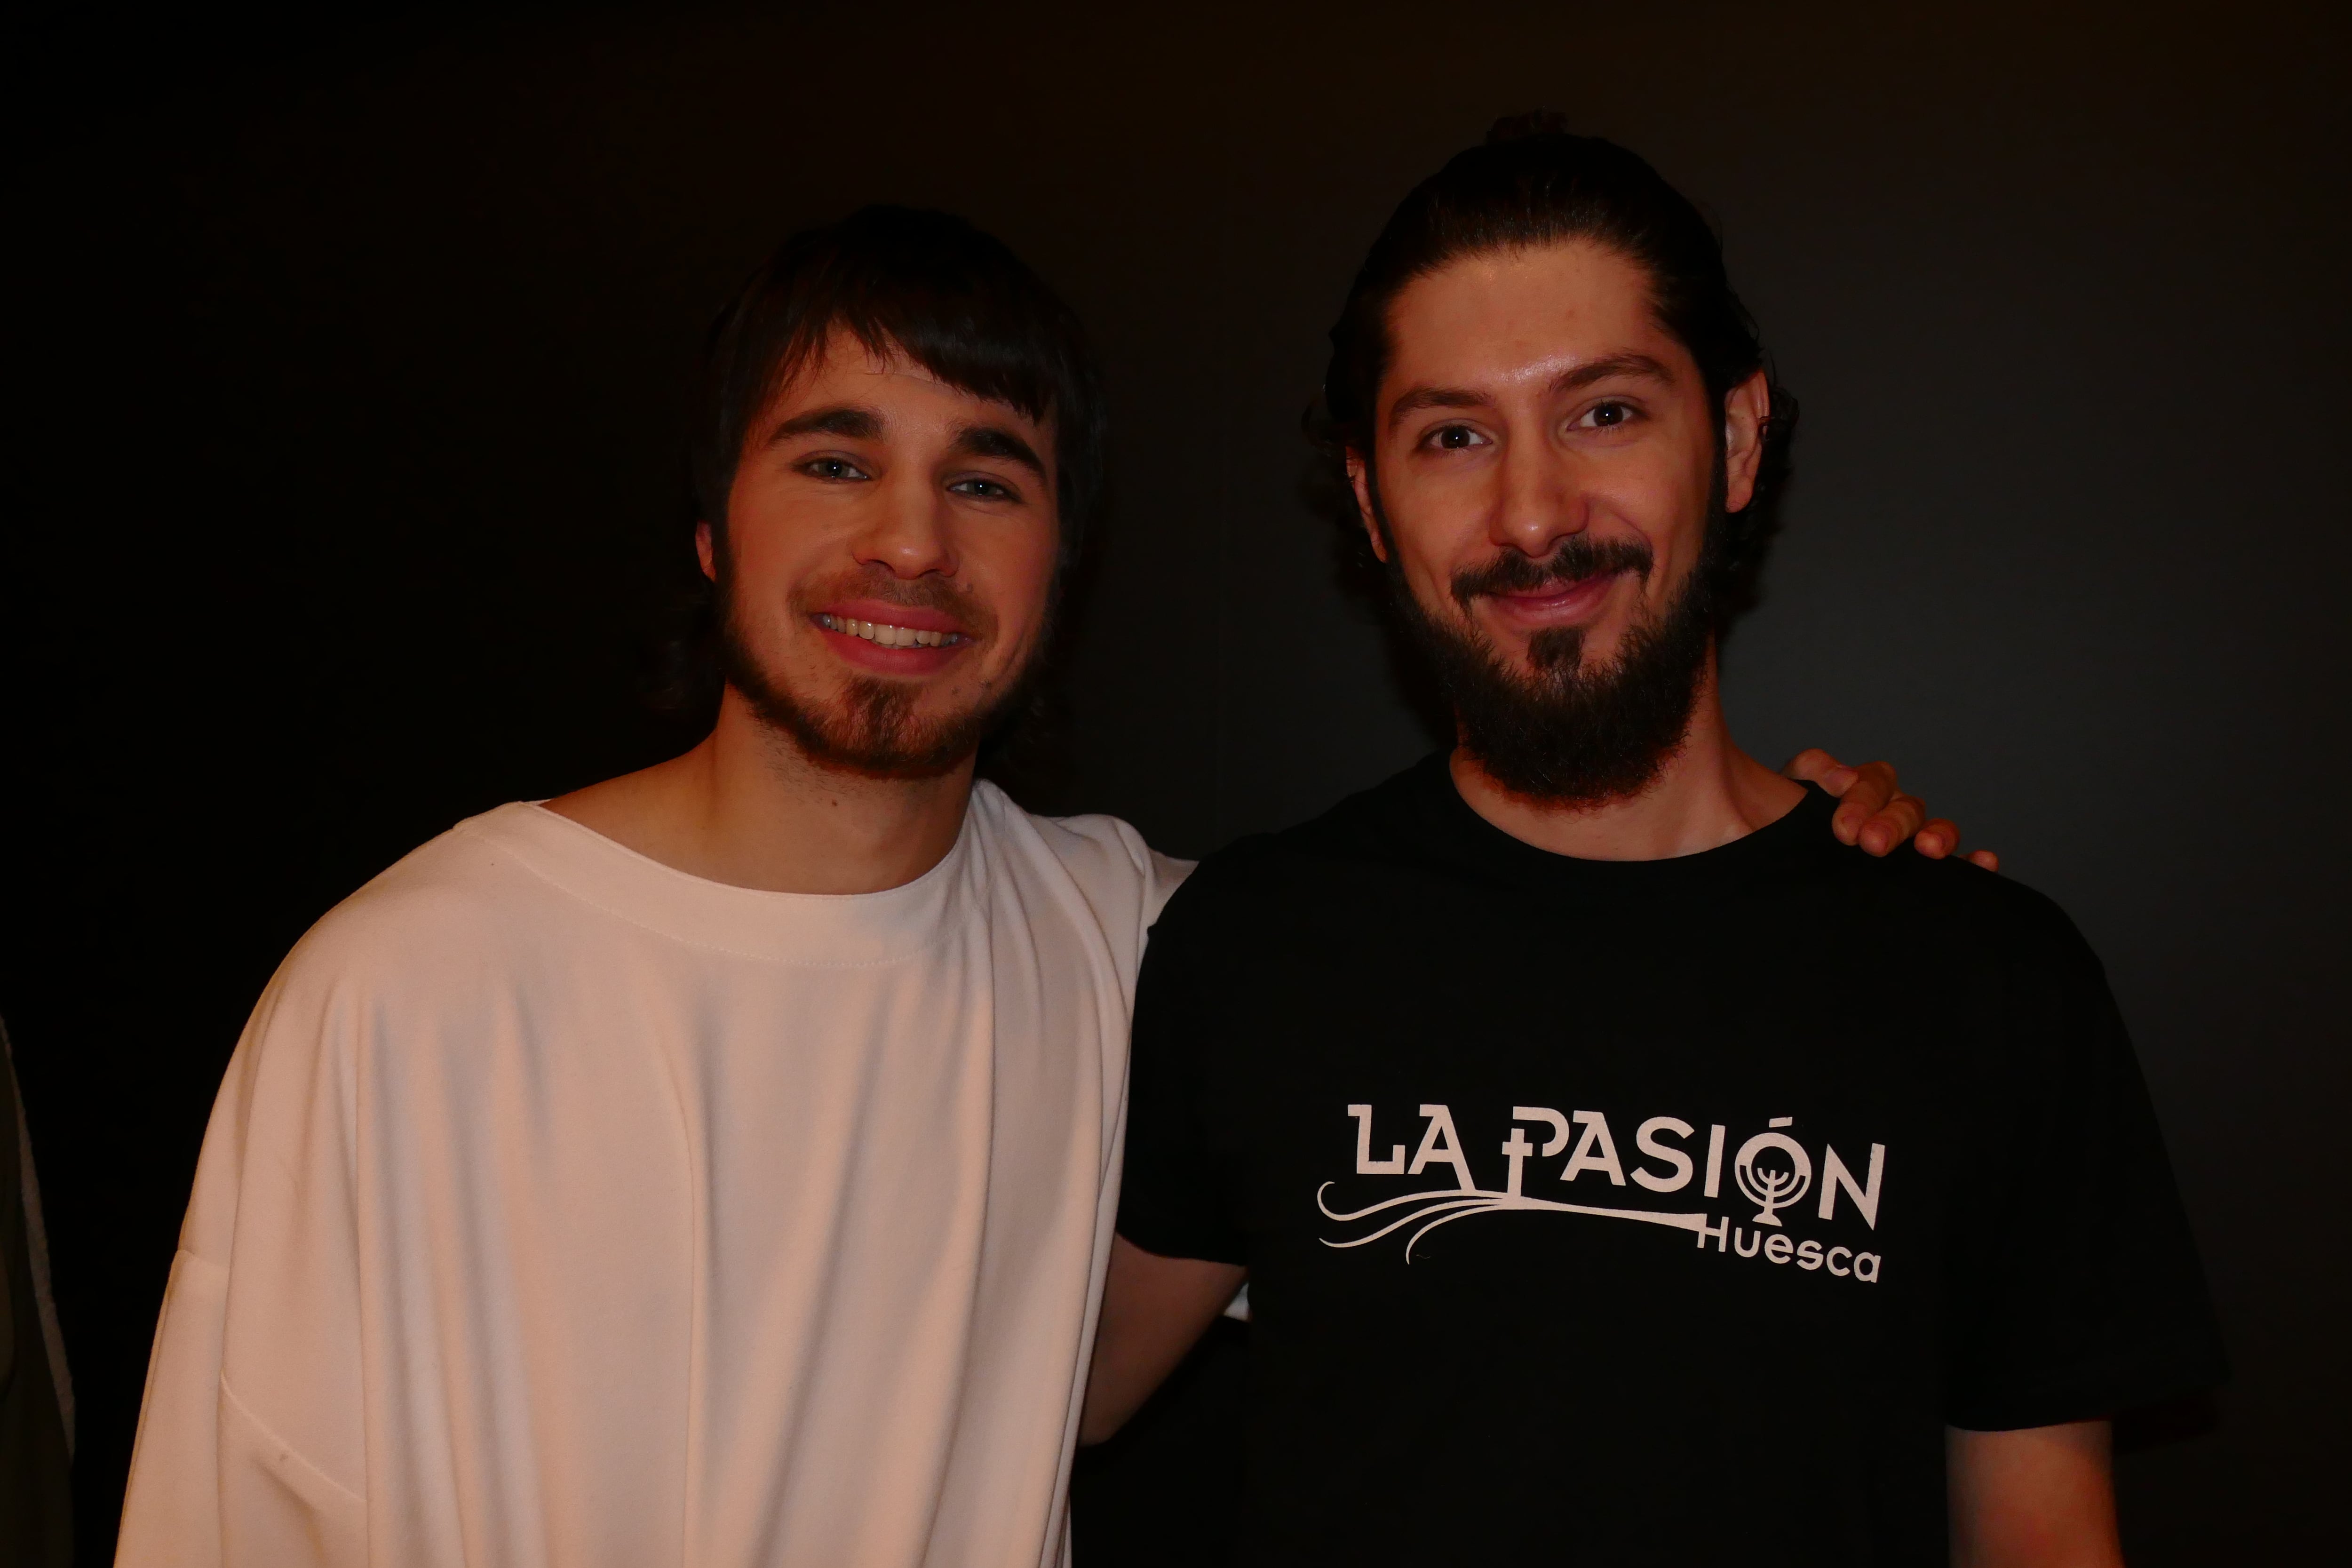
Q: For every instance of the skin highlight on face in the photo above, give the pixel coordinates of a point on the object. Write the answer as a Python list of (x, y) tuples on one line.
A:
[(1549, 473), (886, 571)]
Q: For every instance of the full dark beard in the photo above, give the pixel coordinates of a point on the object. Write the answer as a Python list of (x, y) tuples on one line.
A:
[(1567, 734), (874, 730)]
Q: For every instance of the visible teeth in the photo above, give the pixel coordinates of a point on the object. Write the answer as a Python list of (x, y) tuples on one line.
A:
[(885, 635)]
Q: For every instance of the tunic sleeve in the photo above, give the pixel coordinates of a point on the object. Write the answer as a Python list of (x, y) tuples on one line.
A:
[(250, 1443)]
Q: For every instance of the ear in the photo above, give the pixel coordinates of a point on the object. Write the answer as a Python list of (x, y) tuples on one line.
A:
[(705, 551), (1745, 408), (1359, 479)]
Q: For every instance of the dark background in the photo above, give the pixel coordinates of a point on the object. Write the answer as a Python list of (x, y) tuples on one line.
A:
[(345, 495)]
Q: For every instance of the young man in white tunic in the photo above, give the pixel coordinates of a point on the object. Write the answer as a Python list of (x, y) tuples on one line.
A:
[(716, 1165)]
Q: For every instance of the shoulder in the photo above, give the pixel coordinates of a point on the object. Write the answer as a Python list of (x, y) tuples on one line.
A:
[(1961, 907), (1121, 877), (452, 900), (1283, 885), (412, 953), (1372, 832)]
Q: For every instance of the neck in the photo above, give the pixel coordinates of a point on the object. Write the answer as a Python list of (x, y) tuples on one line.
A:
[(748, 808), (1708, 794)]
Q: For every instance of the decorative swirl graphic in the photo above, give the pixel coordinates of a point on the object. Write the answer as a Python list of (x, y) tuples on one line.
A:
[(1447, 1204)]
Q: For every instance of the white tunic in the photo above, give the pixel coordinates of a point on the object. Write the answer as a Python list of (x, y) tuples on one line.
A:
[(560, 1207)]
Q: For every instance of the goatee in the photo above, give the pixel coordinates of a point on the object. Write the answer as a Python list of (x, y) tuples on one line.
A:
[(1563, 733), (874, 728)]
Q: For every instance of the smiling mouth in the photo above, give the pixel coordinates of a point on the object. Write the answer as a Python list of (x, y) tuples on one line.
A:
[(1556, 603), (1579, 568), (883, 633), (1561, 587)]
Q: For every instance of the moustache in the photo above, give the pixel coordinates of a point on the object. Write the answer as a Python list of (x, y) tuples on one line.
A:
[(1572, 561)]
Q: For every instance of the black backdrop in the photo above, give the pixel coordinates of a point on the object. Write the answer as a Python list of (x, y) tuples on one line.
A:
[(345, 495)]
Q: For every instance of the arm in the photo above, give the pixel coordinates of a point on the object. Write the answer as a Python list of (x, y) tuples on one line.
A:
[(253, 1382), (2040, 1497), (1154, 1308), (1875, 815)]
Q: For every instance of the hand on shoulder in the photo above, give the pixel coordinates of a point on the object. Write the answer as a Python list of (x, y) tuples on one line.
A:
[(1874, 815)]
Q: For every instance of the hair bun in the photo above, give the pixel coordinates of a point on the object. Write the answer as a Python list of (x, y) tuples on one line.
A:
[(1534, 122)]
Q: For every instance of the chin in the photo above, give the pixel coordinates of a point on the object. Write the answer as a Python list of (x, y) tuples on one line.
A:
[(877, 727)]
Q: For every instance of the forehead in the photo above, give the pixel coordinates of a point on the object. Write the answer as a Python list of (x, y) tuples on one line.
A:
[(1503, 315), (892, 384)]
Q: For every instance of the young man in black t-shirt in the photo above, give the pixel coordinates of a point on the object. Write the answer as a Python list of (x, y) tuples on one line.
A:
[(1611, 1181)]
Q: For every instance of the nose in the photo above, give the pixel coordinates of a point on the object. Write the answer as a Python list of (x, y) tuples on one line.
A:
[(909, 533), (1538, 500)]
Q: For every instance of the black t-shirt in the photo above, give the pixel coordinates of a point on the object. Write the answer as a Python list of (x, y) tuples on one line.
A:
[(1660, 1211)]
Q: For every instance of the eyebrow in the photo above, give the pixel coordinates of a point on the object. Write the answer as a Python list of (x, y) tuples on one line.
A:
[(1613, 366), (1583, 375), (856, 422), (849, 420), (1422, 398), (996, 441)]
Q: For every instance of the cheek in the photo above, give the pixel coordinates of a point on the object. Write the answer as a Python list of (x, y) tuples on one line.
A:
[(1666, 503), (781, 539), (755, 535), (774, 575), (765, 569), (1014, 568), (1436, 527)]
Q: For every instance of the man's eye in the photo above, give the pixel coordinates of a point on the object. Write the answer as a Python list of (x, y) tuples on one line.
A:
[(1455, 437), (1609, 415), (837, 468), (983, 489)]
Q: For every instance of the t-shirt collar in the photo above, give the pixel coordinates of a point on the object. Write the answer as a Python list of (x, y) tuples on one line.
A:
[(816, 928), (1779, 846)]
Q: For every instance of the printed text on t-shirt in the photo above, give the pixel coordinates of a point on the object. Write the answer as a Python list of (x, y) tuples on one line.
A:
[(1770, 1169)]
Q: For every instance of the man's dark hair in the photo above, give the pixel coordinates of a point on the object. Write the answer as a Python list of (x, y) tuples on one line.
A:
[(929, 284), (1533, 182)]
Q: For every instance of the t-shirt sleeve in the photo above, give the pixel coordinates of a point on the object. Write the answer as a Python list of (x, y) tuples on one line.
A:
[(2077, 1292), (1173, 1197)]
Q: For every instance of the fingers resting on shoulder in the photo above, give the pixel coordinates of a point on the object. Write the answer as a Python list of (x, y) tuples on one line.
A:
[(1875, 815)]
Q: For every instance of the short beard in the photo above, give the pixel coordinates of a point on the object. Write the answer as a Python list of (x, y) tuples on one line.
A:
[(1567, 735), (873, 730)]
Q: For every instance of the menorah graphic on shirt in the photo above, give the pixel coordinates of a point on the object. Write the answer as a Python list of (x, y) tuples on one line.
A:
[(1773, 1187)]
